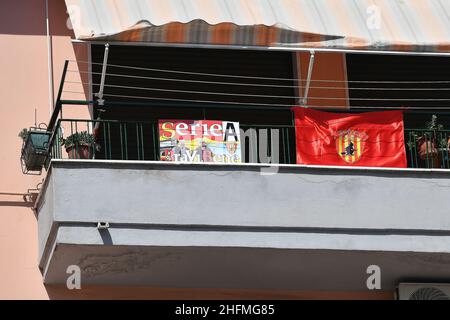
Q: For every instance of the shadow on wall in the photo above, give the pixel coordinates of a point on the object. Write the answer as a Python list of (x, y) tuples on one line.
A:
[(16, 204), (26, 200), (56, 292), (25, 17)]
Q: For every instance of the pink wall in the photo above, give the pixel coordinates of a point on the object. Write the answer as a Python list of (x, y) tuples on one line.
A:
[(24, 88)]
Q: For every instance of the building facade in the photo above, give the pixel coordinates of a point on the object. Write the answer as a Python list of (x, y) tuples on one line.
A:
[(111, 212)]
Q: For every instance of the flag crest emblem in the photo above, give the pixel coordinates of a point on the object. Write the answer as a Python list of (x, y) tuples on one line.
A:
[(350, 145)]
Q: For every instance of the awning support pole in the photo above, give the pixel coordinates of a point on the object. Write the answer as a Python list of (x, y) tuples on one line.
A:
[(100, 100), (308, 79)]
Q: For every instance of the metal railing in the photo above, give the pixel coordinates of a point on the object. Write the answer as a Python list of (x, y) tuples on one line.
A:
[(428, 148), (114, 140), (139, 140)]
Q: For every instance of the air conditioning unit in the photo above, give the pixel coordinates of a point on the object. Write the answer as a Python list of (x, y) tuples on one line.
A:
[(423, 291)]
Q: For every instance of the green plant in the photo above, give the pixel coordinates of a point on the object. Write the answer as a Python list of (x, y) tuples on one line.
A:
[(23, 134), (433, 125), (78, 138), (411, 145)]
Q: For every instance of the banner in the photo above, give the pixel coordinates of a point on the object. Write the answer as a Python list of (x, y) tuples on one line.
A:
[(372, 139), (199, 141)]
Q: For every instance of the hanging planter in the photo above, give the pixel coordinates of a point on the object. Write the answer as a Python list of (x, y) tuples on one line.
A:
[(80, 145), (34, 149)]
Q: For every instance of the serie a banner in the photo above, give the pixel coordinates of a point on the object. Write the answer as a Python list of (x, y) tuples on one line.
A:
[(372, 139), (199, 141)]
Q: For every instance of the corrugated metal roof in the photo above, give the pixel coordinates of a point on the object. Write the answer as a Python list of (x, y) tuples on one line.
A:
[(419, 25)]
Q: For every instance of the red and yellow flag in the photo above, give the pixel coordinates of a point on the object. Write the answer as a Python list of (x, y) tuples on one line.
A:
[(372, 139)]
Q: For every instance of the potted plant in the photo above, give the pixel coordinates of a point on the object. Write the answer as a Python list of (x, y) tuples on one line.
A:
[(445, 146), (448, 145), (426, 143), (80, 145), (23, 134)]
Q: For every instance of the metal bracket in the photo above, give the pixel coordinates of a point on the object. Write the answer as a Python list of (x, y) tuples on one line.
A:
[(101, 225), (100, 100), (308, 79)]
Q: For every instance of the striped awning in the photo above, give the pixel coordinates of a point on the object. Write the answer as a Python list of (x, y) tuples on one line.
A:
[(410, 25)]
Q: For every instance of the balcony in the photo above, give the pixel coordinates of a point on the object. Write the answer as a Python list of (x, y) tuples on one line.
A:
[(265, 223), (239, 225)]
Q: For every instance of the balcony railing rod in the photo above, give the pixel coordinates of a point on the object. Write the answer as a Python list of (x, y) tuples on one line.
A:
[(77, 102), (427, 130), (155, 122), (58, 105), (241, 124)]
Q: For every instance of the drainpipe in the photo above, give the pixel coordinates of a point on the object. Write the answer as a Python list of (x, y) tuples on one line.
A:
[(51, 101)]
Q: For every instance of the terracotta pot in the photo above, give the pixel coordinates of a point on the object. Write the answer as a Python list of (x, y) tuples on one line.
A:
[(448, 146), (428, 151), (80, 151)]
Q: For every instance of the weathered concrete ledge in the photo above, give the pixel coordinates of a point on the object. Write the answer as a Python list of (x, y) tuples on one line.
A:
[(155, 205)]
